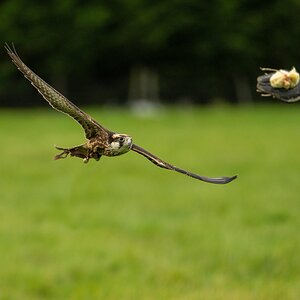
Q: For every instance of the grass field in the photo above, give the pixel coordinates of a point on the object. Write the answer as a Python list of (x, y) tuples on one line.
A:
[(122, 228)]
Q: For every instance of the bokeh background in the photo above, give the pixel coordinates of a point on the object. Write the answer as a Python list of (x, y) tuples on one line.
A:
[(180, 77), (173, 51)]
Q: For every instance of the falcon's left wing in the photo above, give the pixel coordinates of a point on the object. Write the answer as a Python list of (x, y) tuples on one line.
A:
[(160, 163), (57, 100)]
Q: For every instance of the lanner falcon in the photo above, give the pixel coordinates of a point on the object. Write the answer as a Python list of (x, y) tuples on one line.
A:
[(100, 141)]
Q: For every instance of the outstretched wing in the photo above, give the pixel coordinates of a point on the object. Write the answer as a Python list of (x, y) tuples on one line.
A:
[(265, 88), (57, 100), (160, 163)]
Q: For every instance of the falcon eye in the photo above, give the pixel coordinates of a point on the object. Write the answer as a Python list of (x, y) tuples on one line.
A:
[(121, 139)]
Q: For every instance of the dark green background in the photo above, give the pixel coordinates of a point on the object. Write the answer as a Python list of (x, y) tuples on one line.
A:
[(201, 51)]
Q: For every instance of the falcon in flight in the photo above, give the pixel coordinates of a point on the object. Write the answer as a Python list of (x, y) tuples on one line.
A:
[(100, 141)]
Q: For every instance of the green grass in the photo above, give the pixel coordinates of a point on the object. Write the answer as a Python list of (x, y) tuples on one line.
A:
[(122, 228)]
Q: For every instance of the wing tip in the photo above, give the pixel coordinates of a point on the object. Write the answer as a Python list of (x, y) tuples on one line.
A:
[(218, 180), (10, 49), (229, 179)]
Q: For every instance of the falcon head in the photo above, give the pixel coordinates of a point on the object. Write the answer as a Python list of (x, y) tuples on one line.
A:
[(119, 144)]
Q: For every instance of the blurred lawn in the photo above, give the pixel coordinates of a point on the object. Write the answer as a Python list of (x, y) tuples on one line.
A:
[(122, 228)]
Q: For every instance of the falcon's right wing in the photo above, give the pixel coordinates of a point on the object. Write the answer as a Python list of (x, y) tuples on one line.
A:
[(160, 163)]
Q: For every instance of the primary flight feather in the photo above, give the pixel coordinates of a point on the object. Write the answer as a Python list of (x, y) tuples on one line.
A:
[(100, 141)]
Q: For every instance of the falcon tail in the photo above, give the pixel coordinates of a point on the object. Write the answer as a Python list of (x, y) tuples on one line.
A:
[(162, 164)]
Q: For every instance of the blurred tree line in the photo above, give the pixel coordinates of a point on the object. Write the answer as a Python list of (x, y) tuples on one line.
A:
[(116, 51)]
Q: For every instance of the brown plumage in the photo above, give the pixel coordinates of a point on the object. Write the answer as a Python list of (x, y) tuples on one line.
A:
[(100, 141)]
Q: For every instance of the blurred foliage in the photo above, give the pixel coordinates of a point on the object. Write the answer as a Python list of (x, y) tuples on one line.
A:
[(200, 49)]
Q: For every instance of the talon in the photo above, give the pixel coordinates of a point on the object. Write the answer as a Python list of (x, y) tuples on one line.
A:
[(78, 151), (86, 160), (64, 154)]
